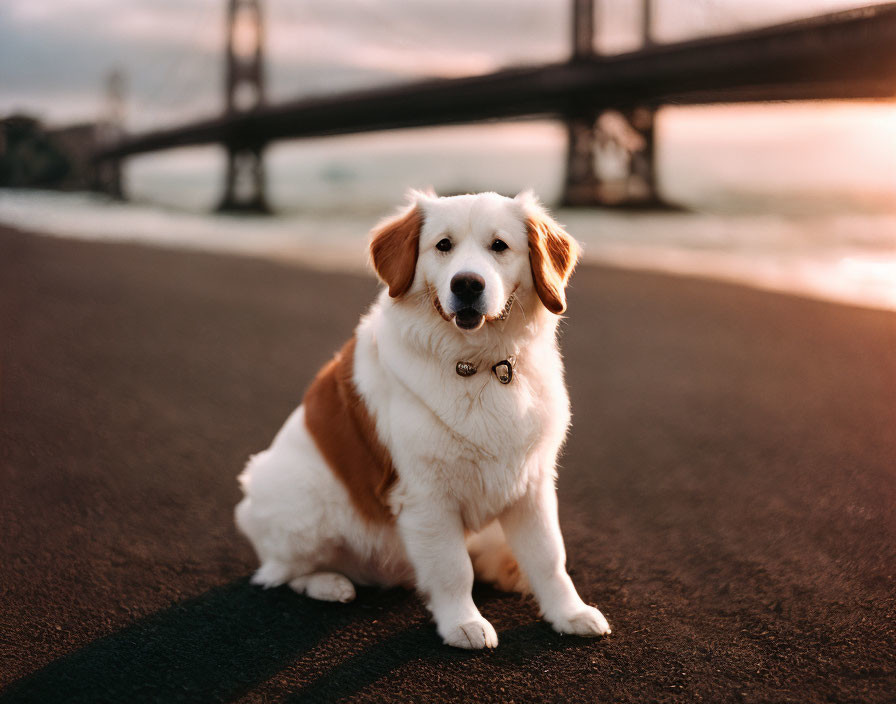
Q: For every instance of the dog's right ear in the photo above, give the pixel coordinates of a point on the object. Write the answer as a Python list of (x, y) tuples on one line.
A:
[(393, 250)]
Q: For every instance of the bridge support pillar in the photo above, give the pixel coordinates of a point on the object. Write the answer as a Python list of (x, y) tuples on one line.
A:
[(244, 187), (642, 183), (582, 186), (625, 137), (106, 179), (244, 92), (105, 175), (594, 140)]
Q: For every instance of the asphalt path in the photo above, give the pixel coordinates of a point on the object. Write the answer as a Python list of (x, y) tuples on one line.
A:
[(728, 493)]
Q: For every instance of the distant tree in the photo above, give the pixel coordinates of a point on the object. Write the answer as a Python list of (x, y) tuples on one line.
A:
[(29, 158)]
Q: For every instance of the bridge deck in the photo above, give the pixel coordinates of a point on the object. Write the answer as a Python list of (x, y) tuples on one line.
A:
[(843, 55)]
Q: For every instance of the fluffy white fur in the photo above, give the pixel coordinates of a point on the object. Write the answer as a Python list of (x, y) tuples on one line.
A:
[(475, 459)]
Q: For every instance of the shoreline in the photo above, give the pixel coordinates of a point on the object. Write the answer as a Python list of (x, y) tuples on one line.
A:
[(351, 258), (848, 258)]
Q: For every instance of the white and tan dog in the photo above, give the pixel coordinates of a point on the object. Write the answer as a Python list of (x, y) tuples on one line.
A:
[(434, 432)]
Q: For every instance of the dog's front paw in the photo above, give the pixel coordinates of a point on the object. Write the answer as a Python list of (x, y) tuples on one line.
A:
[(472, 635), (586, 621)]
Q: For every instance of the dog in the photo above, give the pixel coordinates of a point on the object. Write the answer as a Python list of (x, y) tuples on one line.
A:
[(425, 451)]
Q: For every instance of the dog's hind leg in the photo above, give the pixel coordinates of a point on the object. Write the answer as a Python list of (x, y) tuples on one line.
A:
[(493, 562), (325, 586)]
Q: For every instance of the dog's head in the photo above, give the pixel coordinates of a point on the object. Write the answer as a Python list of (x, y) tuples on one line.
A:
[(473, 254)]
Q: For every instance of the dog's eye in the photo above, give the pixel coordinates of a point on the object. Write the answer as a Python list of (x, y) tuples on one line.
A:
[(443, 245), (499, 246)]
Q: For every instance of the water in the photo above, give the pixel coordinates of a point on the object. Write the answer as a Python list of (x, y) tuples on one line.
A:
[(795, 198)]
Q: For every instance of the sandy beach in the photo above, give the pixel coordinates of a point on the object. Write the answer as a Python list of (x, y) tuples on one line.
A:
[(727, 493)]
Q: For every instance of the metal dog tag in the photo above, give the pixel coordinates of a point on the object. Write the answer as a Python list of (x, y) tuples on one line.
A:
[(504, 371), (465, 369)]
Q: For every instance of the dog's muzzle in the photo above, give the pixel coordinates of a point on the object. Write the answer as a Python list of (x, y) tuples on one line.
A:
[(472, 319)]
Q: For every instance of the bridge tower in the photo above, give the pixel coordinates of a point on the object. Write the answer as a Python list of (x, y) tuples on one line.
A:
[(109, 129), (632, 132), (582, 186), (244, 188)]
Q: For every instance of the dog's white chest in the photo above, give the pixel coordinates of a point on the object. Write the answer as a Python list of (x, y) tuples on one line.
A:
[(471, 444), (478, 445)]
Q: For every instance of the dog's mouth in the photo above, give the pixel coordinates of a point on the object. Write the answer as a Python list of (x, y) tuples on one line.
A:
[(469, 318)]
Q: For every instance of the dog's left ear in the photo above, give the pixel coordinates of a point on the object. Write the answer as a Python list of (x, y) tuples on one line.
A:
[(394, 247), (552, 253)]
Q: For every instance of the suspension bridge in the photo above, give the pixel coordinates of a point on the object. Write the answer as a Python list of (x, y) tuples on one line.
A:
[(845, 55)]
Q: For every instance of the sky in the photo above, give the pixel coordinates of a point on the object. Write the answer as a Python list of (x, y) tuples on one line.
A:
[(55, 54)]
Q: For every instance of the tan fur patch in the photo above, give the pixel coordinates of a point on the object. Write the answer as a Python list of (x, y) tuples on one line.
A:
[(345, 434)]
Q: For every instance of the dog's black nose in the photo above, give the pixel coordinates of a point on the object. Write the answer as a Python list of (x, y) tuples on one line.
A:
[(467, 286)]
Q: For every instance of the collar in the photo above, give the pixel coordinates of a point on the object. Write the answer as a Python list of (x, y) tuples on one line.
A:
[(502, 370)]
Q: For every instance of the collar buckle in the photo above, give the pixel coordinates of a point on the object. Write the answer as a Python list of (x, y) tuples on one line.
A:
[(503, 370)]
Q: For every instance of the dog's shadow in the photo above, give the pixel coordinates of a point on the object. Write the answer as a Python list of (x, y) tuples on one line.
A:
[(220, 645)]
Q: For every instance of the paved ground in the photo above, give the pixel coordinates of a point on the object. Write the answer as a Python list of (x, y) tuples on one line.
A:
[(727, 495)]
